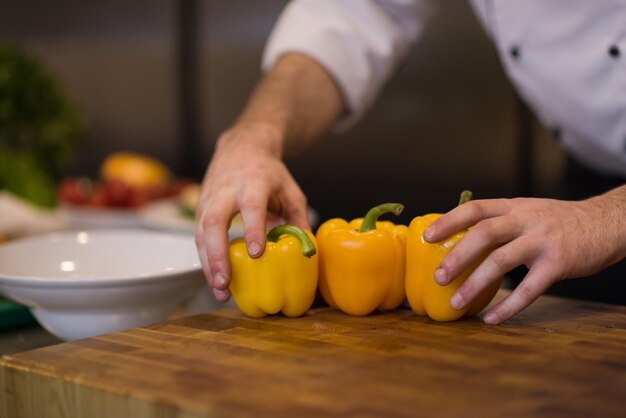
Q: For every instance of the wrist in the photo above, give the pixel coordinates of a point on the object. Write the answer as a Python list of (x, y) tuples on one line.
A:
[(611, 207), (263, 137), (617, 201)]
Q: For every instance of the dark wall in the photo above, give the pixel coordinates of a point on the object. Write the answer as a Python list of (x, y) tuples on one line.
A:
[(445, 122), (115, 59)]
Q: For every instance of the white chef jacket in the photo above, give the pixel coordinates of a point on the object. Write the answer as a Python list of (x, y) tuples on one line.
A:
[(567, 59)]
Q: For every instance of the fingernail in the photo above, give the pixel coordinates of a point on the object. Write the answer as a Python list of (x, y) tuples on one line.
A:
[(254, 249), (440, 276), (457, 301), (220, 281), (429, 232), (221, 295), (491, 318)]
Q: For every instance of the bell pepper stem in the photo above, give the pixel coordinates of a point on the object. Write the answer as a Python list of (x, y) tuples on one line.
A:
[(306, 244), (466, 196), (369, 222)]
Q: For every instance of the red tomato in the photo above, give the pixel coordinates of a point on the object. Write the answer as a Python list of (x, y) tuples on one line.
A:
[(140, 197), (118, 193), (75, 190), (99, 197)]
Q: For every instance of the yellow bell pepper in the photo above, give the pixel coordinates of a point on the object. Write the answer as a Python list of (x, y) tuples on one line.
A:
[(283, 279), (362, 262), (424, 294)]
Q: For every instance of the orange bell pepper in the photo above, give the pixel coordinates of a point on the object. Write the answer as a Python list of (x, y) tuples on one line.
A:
[(362, 262), (424, 294)]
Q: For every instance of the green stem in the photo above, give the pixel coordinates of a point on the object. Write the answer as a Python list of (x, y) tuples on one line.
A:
[(466, 196), (369, 222), (307, 247)]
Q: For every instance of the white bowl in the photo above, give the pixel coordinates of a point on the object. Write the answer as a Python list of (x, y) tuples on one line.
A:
[(85, 283), (79, 217)]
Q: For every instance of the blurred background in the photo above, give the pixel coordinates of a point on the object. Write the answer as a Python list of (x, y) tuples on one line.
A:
[(165, 78)]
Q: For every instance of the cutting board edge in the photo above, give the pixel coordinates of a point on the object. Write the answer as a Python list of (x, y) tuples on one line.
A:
[(42, 393)]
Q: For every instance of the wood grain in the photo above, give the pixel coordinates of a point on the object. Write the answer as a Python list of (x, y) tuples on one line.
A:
[(560, 358)]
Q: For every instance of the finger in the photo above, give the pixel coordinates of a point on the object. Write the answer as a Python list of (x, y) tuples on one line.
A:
[(465, 216), (497, 264), (204, 262), (295, 207), (538, 279), (213, 237), (222, 296), (487, 234), (253, 208), (201, 246)]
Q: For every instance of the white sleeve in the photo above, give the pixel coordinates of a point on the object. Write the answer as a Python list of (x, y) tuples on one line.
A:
[(359, 42)]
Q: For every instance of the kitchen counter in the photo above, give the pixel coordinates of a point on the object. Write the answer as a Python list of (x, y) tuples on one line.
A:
[(27, 338), (559, 358)]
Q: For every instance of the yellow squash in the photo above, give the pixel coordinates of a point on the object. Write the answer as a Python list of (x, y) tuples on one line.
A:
[(283, 279), (362, 262), (424, 294)]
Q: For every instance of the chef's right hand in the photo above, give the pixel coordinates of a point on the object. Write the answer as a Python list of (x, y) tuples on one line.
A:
[(247, 175)]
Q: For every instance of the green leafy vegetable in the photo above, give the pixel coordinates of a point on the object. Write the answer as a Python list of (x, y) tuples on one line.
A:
[(39, 128)]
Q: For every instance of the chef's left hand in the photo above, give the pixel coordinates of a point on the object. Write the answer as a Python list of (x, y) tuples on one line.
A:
[(555, 239)]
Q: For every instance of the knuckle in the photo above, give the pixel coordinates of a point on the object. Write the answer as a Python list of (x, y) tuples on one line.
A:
[(450, 262), (557, 269), (546, 228), (211, 220), (501, 259), (476, 208), (199, 238), (295, 210), (299, 198), (505, 311), (214, 261), (508, 204), (527, 291), (253, 202), (300, 204), (469, 289), (487, 229), (255, 234), (295, 205), (554, 257)]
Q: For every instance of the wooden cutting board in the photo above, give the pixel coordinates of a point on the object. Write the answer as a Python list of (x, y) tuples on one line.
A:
[(560, 358)]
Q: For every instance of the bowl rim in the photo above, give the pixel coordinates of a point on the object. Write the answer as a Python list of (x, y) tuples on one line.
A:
[(47, 282)]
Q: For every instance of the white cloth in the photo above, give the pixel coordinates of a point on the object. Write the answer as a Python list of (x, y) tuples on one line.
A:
[(560, 54), (19, 218)]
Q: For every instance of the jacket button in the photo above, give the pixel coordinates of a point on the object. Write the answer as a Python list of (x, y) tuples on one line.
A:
[(614, 51), (515, 52)]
